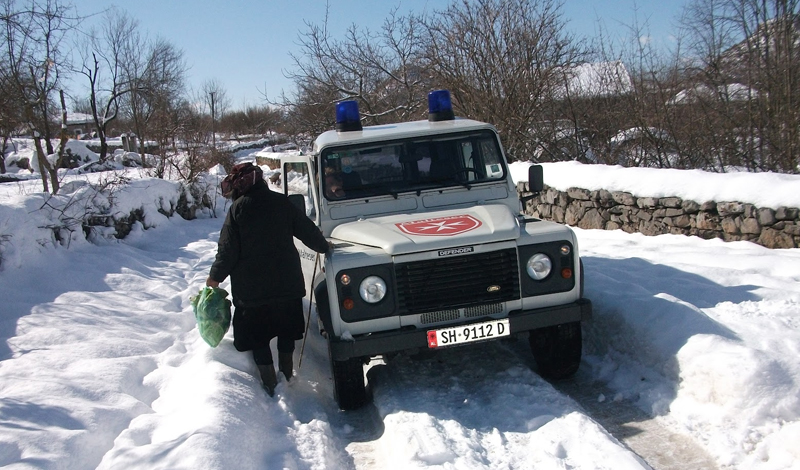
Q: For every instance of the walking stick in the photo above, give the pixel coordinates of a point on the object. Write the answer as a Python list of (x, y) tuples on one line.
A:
[(308, 316)]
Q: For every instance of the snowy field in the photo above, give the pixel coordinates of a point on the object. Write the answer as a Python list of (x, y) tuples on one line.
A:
[(101, 365)]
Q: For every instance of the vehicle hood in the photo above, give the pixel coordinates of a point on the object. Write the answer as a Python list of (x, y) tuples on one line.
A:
[(410, 233)]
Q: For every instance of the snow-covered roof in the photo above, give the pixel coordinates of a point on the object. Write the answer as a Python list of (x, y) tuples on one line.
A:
[(79, 118), (597, 79), (729, 92)]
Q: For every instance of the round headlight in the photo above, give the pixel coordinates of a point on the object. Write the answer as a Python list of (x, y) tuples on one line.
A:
[(372, 289), (539, 266)]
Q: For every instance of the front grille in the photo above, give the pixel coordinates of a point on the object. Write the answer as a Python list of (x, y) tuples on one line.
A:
[(457, 282), (439, 316), (483, 310)]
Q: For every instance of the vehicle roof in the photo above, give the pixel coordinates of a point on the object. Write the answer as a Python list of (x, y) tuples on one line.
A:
[(397, 131)]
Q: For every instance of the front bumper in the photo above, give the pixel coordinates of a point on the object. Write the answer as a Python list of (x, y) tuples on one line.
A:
[(385, 342)]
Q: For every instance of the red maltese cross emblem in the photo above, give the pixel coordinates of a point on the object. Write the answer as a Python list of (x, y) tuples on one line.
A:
[(440, 226)]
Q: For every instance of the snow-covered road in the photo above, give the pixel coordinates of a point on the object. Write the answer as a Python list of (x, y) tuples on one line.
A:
[(101, 367)]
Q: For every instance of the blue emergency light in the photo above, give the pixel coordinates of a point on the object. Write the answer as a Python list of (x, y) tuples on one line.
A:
[(440, 108), (347, 117)]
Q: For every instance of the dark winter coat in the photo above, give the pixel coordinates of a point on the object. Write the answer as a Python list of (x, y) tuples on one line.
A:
[(256, 248)]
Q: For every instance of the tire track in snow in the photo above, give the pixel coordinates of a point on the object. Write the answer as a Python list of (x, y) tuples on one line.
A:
[(661, 448)]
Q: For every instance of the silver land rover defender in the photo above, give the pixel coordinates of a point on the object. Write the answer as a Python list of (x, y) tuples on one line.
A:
[(431, 248)]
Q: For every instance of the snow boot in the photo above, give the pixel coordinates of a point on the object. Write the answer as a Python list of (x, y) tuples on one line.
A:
[(285, 364), (268, 378)]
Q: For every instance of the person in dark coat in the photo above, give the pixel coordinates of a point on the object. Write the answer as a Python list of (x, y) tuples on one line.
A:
[(256, 249)]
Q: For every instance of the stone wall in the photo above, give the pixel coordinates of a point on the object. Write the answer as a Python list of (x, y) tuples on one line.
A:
[(727, 220)]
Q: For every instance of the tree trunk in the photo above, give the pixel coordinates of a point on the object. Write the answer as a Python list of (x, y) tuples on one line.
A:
[(43, 165), (3, 158), (62, 143)]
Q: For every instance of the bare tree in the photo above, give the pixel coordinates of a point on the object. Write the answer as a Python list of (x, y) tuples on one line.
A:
[(102, 58), (258, 120), (382, 70), (10, 114), (155, 71), (746, 81), (216, 98), (173, 121), (33, 47), (502, 60)]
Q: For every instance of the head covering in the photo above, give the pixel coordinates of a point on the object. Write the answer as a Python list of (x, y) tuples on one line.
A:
[(241, 178)]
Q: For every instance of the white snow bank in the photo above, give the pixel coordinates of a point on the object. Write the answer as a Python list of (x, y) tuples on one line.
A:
[(762, 189)]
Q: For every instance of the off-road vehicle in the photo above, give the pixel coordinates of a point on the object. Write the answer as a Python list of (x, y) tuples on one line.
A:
[(431, 247)]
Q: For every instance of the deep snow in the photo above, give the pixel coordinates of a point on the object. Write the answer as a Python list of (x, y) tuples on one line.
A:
[(102, 366)]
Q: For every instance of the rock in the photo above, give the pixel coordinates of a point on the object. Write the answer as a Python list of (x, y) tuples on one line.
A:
[(750, 226), (774, 239), (668, 212), (792, 229), (730, 225), (644, 202), (730, 208), (709, 234), (690, 207), (551, 196), (544, 210), (673, 212), (766, 216), (786, 213), (626, 199), (705, 221), (670, 201), (558, 214), (24, 163), (574, 214), (592, 220), (606, 199), (650, 228), (683, 221), (579, 194), (708, 206)]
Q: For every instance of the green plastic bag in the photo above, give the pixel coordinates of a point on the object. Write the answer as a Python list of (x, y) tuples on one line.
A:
[(212, 310)]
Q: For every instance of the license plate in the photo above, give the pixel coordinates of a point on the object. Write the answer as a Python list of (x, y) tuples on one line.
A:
[(468, 333)]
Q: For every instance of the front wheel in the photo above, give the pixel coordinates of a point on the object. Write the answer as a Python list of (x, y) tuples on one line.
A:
[(557, 350), (349, 388)]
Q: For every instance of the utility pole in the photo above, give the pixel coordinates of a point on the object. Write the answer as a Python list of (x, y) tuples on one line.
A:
[(213, 118)]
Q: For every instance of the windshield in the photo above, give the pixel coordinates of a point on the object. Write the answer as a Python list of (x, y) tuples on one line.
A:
[(373, 169)]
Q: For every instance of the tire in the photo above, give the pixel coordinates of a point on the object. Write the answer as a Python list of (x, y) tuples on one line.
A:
[(349, 388), (557, 350)]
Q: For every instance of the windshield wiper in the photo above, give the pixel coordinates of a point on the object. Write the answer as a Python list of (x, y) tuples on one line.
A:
[(451, 179)]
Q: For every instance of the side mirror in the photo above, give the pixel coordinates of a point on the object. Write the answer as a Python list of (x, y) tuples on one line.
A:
[(535, 178)]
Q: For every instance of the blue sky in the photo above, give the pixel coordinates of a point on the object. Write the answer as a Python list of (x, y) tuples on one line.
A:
[(245, 44)]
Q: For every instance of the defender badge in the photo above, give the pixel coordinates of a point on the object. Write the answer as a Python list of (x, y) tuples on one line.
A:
[(494, 288)]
